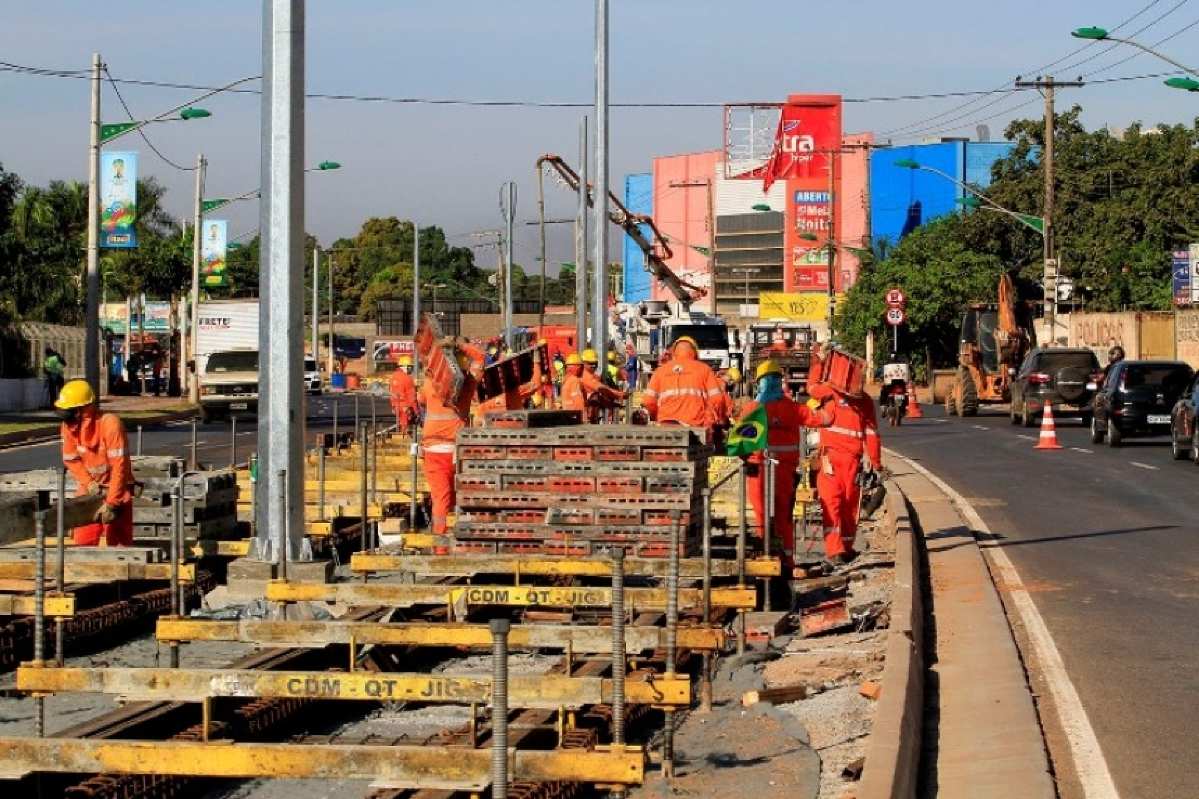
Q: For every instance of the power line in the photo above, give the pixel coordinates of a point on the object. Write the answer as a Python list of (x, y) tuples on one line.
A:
[(1128, 58), (1132, 35), (142, 131)]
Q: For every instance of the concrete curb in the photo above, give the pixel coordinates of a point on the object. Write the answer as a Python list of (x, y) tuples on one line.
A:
[(893, 755), (49, 432)]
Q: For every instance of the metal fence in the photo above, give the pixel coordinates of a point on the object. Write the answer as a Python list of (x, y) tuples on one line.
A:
[(394, 317)]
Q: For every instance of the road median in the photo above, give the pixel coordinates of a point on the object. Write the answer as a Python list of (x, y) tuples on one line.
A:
[(40, 431)]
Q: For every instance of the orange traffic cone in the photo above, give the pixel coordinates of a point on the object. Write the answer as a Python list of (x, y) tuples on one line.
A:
[(1048, 439), (914, 411)]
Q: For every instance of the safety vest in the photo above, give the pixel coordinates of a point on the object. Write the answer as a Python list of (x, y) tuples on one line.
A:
[(442, 422), (403, 390), (684, 391), (853, 428), (97, 451)]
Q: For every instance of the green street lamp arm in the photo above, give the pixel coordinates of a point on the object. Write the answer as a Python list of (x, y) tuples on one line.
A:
[(1099, 34), (221, 202), (138, 125), (1024, 219)]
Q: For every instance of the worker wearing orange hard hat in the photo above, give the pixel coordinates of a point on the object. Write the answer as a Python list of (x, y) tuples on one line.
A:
[(403, 395), (442, 422), (95, 450), (684, 390)]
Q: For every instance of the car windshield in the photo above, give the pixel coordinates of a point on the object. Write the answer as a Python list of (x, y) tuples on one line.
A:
[(241, 361), (1170, 377), (309, 365), (1077, 359), (708, 337)]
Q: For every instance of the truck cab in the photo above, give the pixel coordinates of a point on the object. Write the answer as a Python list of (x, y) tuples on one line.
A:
[(229, 384), (788, 344)]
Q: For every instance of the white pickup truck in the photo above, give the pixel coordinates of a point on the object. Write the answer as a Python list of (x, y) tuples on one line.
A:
[(229, 384)]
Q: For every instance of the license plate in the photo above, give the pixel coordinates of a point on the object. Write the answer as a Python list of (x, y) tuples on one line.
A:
[(1156, 419), (238, 406)]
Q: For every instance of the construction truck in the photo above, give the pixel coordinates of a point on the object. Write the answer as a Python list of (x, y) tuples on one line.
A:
[(993, 342), (789, 344)]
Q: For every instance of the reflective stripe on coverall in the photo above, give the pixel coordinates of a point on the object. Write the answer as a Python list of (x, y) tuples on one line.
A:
[(853, 431), (442, 423), (403, 398), (97, 451), (684, 391)]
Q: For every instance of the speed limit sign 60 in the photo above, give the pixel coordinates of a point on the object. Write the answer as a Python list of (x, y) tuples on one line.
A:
[(896, 317), (896, 298)]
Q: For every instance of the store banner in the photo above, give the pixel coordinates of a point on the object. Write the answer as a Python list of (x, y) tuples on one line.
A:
[(118, 200), (1182, 277), (213, 251), (793, 306), (808, 135)]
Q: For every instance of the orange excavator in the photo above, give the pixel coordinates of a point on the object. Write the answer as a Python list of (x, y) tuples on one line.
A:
[(993, 342)]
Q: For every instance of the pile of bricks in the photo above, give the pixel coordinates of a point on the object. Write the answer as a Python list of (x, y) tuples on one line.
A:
[(578, 489)]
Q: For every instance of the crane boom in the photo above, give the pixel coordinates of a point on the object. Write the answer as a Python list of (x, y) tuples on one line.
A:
[(686, 293)]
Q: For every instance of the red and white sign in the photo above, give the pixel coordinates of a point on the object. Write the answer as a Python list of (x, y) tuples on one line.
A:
[(809, 131), (896, 298), (896, 317)]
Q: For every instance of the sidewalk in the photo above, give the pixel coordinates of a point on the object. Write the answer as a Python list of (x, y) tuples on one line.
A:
[(27, 426), (982, 736)]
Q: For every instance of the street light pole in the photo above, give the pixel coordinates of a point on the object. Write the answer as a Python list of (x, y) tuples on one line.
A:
[(330, 349), (316, 311), (91, 314), (193, 377), (581, 243), (832, 237), (508, 207), (415, 290), (599, 307)]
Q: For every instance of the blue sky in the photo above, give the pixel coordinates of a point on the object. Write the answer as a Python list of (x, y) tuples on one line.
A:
[(443, 164)]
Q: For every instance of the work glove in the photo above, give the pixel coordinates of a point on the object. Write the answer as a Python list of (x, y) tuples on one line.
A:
[(105, 514), (94, 489)]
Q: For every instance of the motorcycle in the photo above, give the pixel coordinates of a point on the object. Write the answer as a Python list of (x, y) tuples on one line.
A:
[(896, 406)]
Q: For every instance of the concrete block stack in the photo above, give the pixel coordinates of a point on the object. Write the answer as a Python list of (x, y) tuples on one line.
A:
[(578, 489), (209, 505)]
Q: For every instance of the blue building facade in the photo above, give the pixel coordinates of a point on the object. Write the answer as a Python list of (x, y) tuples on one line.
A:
[(902, 199), (639, 199)]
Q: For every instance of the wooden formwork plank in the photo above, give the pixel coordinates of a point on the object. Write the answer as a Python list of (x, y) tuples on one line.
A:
[(539, 565)]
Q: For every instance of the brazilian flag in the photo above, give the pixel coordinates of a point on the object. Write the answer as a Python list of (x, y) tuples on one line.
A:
[(748, 434)]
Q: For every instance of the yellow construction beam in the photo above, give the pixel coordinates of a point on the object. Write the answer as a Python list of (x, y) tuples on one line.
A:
[(98, 572), (409, 595), (542, 691), (23, 605), (233, 549), (311, 634), (444, 768), (540, 565)]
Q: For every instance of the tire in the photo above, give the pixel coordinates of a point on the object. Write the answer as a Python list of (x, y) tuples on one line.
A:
[(1177, 451), (1071, 375), (969, 406), (1013, 417), (1114, 437), (1096, 433)]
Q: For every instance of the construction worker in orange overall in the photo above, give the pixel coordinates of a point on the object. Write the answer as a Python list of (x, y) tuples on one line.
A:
[(684, 390), (573, 398), (403, 395), (442, 423), (95, 451), (852, 433), (785, 423), (599, 395)]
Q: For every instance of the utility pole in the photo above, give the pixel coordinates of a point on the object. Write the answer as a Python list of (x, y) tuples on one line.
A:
[(415, 290), (193, 380), (508, 210), (710, 223), (280, 528), (599, 307), (91, 311), (316, 299), (330, 350), (1046, 84), (581, 243), (832, 240), (541, 219)]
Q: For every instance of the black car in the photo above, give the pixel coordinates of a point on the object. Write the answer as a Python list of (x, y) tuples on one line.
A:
[(1065, 377), (1137, 398), (1184, 424)]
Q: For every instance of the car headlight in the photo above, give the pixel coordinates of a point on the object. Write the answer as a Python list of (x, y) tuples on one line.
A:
[(207, 390)]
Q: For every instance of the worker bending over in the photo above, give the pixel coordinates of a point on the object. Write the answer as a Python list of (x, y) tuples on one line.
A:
[(583, 390), (95, 451), (685, 390), (403, 395), (851, 436), (442, 423), (785, 423)]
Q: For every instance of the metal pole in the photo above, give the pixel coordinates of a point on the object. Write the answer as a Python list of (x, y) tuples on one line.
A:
[(672, 631), (767, 521), (499, 708), (414, 451), (832, 240), (508, 209), (232, 441), (176, 541), (581, 242), (91, 320), (330, 333), (618, 646), (321, 479), (193, 382), (362, 489), (194, 464), (415, 294), (336, 406), (281, 338), (61, 576), (741, 533), (284, 499), (357, 422), (541, 219), (705, 685), (39, 611), (139, 439), (599, 303), (316, 300)]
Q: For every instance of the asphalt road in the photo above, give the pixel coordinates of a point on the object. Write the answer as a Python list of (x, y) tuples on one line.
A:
[(1107, 543), (213, 440)]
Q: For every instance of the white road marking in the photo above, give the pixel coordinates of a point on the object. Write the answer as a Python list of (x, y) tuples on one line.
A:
[(1083, 451), (1025, 437), (1089, 763), (1140, 465), (979, 427), (939, 421)]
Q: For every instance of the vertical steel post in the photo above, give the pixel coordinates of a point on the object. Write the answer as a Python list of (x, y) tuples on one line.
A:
[(374, 459), (741, 533), (194, 462), (39, 611), (281, 331), (233, 441), (91, 316), (176, 545), (508, 209), (832, 239), (336, 406), (618, 646), (362, 486), (329, 351), (415, 295), (581, 242), (499, 708), (357, 414), (253, 466), (414, 451), (284, 500), (705, 684), (599, 303), (320, 477), (767, 521), (61, 576), (316, 305), (139, 439), (672, 631), (193, 390)]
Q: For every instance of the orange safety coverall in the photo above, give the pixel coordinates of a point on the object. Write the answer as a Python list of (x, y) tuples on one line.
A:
[(403, 398), (594, 387), (96, 450), (574, 395), (852, 431), (442, 423), (785, 420), (684, 391)]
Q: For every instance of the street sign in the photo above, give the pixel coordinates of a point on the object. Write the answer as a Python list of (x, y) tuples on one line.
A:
[(896, 317), (896, 298)]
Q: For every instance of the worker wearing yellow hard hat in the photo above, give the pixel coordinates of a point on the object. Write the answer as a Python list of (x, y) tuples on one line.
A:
[(402, 391), (95, 450)]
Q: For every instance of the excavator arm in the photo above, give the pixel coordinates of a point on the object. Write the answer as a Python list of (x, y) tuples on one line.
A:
[(686, 293)]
